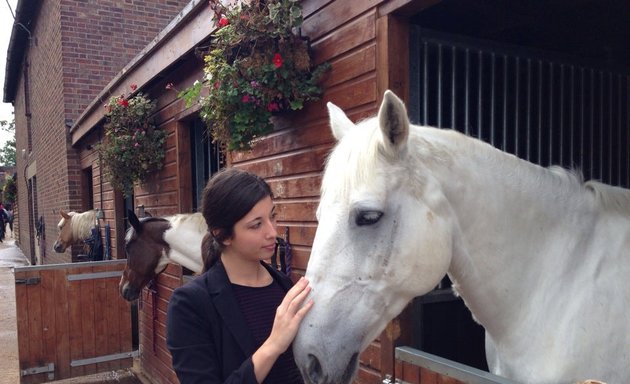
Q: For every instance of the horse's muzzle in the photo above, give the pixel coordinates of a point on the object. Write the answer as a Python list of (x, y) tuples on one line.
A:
[(314, 373), (59, 247)]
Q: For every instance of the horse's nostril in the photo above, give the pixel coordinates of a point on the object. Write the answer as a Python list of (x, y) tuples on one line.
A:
[(314, 370)]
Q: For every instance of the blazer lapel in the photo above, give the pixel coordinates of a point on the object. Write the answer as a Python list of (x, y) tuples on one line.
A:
[(227, 306)]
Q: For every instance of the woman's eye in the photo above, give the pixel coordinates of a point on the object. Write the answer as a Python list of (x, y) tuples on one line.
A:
[(368, 217)]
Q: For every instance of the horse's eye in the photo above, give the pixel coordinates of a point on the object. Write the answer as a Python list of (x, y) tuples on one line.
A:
[(368, 217)]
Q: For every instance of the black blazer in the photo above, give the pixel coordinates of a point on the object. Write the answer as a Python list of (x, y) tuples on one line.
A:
[(206, 332)]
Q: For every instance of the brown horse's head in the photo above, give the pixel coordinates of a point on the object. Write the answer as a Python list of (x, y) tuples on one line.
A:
[(146, 253), (66, 235)]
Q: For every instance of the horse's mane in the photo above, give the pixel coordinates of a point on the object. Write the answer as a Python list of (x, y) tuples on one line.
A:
[(359, 154), (82, 223), (194, 220), (611, 198)]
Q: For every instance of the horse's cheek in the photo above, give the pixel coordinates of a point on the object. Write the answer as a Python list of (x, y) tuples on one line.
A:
[(430, 254)]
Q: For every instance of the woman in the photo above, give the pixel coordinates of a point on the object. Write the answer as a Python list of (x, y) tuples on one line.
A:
[(235, 322)]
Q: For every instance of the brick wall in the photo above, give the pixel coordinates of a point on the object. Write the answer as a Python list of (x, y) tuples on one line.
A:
[(45, 97), (100, 38), (76, 50)]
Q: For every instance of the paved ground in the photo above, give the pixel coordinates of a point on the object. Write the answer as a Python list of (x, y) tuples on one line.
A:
[(11, 256)]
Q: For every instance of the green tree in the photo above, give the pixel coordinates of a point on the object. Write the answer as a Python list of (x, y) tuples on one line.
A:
[(7, 152), (9, 191)]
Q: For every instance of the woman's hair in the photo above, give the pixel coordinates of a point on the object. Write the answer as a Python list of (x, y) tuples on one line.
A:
[(227, 198)]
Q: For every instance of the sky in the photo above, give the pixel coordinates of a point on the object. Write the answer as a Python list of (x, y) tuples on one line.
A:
[(6, 25)]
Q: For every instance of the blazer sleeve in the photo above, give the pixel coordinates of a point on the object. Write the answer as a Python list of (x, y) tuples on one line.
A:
[(190, 340)]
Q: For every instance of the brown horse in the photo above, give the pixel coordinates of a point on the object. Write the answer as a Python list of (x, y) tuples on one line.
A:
[(74, 228), (153, 242)]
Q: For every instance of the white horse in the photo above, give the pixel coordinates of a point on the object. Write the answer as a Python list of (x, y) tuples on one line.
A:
[(151, 243), (541, 259)]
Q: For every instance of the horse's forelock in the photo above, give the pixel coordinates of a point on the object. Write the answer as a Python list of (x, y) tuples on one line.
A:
[(353, 160)]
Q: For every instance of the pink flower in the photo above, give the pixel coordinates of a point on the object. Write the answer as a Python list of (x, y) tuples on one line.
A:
[(223, 21), (123, 102), (245, 99), (136, 145), (169, 86), (277, 60), (133, 87)]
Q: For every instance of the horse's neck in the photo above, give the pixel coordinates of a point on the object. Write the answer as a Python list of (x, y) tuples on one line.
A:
[(512, 216), (184, 240)]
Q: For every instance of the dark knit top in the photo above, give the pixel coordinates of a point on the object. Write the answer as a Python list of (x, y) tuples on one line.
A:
[(259, 309)]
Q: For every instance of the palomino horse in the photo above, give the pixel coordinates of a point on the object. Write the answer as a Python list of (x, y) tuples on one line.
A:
[(74, 228), (153, 242), (541, 259)]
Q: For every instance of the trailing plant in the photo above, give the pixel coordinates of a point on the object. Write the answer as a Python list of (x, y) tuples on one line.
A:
[(133, 146), (257, 65)]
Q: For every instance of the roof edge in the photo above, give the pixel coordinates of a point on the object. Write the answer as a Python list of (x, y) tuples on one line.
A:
[(20, 35)]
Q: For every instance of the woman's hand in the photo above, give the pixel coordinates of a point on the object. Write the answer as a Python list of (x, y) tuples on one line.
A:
[(289, 315)]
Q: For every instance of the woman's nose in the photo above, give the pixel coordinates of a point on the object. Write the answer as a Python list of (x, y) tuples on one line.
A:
[(271, 229)]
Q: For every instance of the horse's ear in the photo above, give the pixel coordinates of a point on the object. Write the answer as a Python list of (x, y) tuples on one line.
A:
[(393, 119), (64, 214), (339, 122), (133, 220)]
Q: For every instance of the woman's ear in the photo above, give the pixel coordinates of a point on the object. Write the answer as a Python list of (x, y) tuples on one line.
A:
[(217, 235)]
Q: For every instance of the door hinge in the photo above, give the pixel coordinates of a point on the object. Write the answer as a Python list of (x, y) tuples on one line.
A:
[(49, 368), (28, 281)]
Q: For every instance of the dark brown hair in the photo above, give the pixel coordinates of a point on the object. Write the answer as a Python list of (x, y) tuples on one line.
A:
[(227, 198)]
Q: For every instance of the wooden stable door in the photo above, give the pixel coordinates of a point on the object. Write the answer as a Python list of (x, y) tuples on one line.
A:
[(71, 320)]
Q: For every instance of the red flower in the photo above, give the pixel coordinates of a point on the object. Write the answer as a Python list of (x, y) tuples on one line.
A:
[(223, 21), (123, 102), (133, 87), (217, 84), (273, 107), (277, 60), (245, 99)]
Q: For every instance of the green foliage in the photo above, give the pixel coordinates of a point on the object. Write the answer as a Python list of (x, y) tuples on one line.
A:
[(7, 152), (9, 191), (256, 67), (133, 147)]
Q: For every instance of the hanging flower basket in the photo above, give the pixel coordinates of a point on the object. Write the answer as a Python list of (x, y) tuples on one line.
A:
[(133, 146), (257, 65)]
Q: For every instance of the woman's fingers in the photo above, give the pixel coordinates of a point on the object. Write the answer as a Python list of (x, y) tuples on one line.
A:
[(296, 303), (295, 295)]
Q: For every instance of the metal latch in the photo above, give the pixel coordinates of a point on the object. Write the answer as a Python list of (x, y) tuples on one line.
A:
[(388, 380), (49, 368), (28, 281)]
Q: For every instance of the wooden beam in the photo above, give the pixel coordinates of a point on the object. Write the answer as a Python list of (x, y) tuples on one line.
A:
[(392, 56)]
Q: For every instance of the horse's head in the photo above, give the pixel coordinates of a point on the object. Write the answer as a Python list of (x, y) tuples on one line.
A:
[(384, 237), (146, 254), (66, 234)]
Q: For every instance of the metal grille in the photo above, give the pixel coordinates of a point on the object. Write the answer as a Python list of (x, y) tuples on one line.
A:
[(539, 106)]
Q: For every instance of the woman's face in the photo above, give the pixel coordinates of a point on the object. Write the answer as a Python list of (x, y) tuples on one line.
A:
[(254, 236)]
